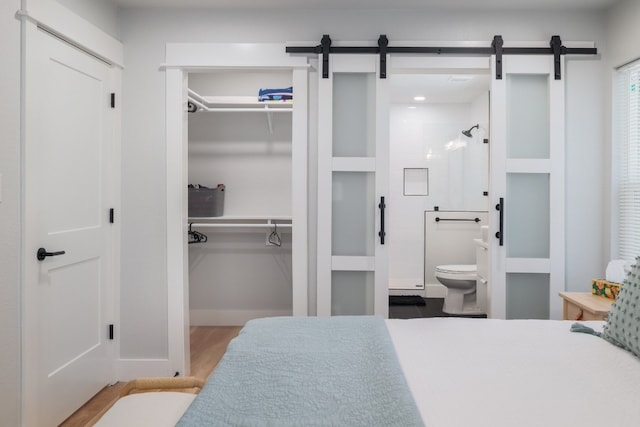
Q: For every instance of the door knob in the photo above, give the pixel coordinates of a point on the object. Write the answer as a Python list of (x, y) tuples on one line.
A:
[(42, 254)]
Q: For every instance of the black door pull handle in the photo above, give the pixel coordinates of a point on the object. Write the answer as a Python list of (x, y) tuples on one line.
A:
[(500, 233), (42, 254), (382, 233)]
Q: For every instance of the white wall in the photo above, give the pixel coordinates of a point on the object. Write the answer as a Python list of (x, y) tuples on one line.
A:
[(101, 13), (622, 35), (10, 215), (145, 32)]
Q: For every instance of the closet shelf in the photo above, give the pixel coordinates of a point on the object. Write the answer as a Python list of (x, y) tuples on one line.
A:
[(262, 222), (238, 104)]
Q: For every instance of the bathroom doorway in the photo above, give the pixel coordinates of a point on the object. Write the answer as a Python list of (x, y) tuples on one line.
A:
[(439, 168)]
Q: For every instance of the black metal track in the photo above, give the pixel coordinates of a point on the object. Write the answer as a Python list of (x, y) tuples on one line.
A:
[(555, 48)]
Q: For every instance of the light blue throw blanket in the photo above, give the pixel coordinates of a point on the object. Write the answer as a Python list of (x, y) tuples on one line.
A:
[(337, 371)]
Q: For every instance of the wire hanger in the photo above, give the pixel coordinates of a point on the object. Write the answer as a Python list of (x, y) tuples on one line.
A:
[(274, 237), (196, 236)]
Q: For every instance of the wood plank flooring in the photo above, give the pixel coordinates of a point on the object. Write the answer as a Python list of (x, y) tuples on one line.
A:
[(208, 344)]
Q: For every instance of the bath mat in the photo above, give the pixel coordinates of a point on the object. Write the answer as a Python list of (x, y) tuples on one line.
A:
[(406, 300)]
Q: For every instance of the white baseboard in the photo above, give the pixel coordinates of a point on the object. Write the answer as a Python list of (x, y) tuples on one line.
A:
[(129, 369), (231, 317)]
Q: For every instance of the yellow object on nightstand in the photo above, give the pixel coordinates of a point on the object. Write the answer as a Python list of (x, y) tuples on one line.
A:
[(605, 289), (585, 306)]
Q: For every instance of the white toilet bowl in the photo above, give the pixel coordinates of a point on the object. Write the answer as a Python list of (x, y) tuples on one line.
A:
[(460, 281)]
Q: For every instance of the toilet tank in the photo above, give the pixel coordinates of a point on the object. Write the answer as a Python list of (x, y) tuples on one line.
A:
[(449, 239)]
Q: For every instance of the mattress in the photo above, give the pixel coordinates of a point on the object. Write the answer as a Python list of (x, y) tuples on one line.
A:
[(487, 372), (484, 372)]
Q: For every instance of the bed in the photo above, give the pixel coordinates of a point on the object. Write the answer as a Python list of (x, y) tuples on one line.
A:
[(443, 372)]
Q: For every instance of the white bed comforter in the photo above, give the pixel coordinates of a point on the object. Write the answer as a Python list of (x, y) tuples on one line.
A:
[(483, 372)]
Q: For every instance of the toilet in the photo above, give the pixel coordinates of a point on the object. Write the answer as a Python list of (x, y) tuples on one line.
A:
[(460, 281)]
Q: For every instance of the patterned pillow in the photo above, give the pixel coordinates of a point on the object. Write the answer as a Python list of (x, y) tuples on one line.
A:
[(623, 326)]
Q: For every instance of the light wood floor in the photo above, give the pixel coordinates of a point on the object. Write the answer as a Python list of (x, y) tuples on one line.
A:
[(208, 344)]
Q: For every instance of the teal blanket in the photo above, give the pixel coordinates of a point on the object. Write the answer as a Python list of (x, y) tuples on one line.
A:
[(337, 371)]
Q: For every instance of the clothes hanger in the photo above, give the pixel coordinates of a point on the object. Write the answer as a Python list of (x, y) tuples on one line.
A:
[(274, 237), (196, 236)]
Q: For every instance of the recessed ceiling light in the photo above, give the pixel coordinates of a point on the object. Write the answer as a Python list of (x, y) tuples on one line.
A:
[(419, 98), (412, 107)]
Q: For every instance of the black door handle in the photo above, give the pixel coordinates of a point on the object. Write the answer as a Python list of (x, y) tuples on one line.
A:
[(500, 233), (42, 254), (381, 233)]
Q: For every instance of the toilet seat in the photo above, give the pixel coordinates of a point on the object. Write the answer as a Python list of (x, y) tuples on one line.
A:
[(463, 269)]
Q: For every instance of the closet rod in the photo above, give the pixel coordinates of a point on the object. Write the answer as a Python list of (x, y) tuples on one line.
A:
[(258, 109), (257, 106), (236, 225)]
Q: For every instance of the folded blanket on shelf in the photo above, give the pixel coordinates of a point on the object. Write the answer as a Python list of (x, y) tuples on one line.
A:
[(285, 94)]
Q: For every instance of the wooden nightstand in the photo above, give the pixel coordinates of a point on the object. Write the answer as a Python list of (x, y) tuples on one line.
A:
[(585, 306)]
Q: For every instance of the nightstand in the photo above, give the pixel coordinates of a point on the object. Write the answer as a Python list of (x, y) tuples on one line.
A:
[(585, 306)]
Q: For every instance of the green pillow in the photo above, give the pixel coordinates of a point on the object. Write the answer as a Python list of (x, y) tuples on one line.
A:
[(623, 325)]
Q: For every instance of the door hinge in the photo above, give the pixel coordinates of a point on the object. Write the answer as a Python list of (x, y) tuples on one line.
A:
[(486, 140), (113, 100), (111, 331), (111, 215)]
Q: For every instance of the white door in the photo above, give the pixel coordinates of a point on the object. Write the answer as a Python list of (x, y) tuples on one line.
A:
[(67, 177), (527, 189), (353, 180)]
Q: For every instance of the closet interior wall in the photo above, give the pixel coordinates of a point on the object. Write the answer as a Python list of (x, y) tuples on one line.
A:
[(237, 275)]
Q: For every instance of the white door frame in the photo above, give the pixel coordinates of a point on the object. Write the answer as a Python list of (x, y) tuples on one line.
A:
[(182, 58), (74, 30)]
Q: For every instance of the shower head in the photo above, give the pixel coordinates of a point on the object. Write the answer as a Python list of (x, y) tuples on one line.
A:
[(467, 133)]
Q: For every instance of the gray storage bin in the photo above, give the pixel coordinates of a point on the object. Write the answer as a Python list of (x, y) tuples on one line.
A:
[(206, 202)]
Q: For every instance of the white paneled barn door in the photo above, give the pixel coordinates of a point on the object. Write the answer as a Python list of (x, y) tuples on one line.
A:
[(353, 180), (527, 187)]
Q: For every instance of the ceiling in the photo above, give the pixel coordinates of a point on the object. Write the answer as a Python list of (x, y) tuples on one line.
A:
[(375, 4)]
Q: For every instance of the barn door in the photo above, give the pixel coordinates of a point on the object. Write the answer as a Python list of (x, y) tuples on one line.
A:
[(527, 188), (353, 184)]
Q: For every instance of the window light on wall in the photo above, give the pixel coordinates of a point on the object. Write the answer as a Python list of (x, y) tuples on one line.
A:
[(627, 141)]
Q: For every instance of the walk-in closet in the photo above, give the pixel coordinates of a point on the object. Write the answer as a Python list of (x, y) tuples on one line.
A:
[(237, 117), (240, 195)]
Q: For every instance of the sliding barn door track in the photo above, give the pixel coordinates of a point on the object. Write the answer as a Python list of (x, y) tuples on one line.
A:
[(495, 48)]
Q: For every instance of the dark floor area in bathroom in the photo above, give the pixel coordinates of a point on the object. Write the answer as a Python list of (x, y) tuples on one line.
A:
[(432, 308)]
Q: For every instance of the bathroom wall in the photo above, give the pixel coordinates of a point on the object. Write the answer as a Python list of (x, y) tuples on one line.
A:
[(427, 140)]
